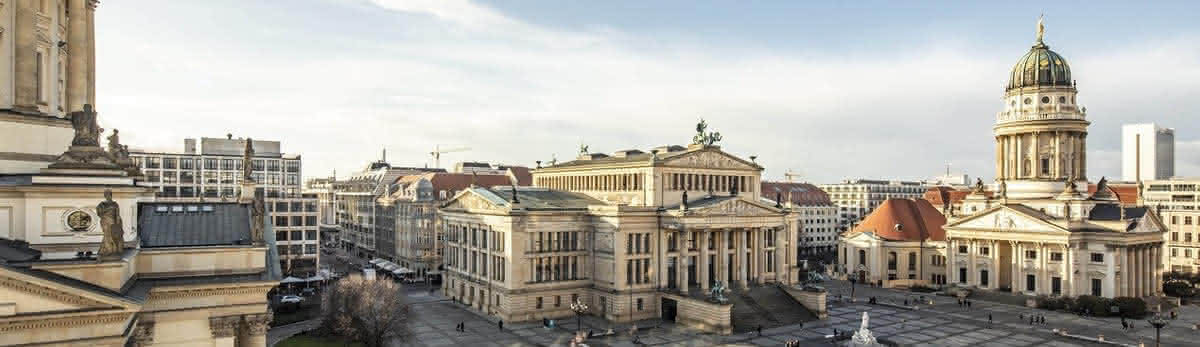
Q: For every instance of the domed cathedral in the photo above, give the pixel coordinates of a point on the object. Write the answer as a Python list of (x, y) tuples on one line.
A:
[(1036, 230), (1041, 134)]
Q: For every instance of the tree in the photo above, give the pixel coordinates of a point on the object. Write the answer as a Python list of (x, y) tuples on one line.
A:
[(368, 311)]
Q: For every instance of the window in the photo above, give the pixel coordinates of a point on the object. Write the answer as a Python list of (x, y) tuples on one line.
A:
[(962, 249), (1175, 236), (1031, 254), (962, 275), (1174, 252), (1056, 256), (1030, 283), (912, 261), (983, 278), (1056, 285), (1097, 287), (186, 164), (538, 304), (983, 250), (892, 261), (639, 304), (1097, 257)]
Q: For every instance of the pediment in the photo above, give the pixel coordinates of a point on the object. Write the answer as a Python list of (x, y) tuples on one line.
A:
[(1003, 218), (32, 294), (470, 200), (710, 159), (737, 207)]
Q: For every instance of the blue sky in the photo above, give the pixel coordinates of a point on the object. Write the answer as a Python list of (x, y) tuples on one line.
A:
[(830, 89)]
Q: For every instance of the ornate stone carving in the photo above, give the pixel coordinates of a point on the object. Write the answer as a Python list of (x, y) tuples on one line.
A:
[(257, 324), (87, 130), (604, 242), (248, 161), (85, 151), (143, 334), (257, 211), (113, 243), (709, 159), (224, 326), (78, 221)]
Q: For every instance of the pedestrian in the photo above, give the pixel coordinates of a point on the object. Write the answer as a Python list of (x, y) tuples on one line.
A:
[(1031, 320), (989, 318), (760, 330), (1021, 316), (1124, 325), (501, 325), (968, 303), (1043, 319)]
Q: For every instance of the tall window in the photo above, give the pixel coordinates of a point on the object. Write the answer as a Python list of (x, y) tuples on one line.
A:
[(912, 261), (1030, 283), (892, 261)]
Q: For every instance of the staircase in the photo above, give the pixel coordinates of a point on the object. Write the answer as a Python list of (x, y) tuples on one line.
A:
[(768, 306)]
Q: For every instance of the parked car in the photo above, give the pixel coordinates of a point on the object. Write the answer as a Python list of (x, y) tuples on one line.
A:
[(291, 299)]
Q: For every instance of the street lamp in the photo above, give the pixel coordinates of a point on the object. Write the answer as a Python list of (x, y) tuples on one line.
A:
[(1158, 322), (579, 308)]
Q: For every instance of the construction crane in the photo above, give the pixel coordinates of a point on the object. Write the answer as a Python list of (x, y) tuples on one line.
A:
[(438, 151), (791, 175)]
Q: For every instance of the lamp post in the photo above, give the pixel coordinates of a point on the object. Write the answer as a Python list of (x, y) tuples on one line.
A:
[(579, 308), (1158, 322)]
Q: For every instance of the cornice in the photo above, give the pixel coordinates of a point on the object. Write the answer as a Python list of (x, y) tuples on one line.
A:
[(45, 291), (66, 321), (191, 292)]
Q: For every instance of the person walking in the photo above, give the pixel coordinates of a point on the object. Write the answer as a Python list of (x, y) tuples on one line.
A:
[(989, 318), (760, 330), (501, 324)]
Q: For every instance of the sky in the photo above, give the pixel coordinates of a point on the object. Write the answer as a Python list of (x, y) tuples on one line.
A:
[(827, 90)]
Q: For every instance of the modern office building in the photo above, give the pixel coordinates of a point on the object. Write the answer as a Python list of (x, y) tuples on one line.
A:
[(1147, 152), (211, 170), (819, 219), (856, 198), (1176, 194)]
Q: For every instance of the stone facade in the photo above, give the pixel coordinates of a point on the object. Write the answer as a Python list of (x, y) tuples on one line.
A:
[(618, 233), (857, 198), (1183, 241)]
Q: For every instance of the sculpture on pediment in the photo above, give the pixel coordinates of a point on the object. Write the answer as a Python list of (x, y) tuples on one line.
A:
[(1003, 190), (978, 185), (113, 242), (702, 138), (87, 131), (583, 149), (258, 209), (248, 161), (684, 201), (114, 146)]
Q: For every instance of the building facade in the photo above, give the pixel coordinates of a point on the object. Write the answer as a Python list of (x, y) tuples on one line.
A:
[(1147, 152), (819, 219), (856, 199), (87, 258), (367, 228), (1041, 233), (900, 244), (1183, 240), (212, 171), (633, 235), (1176, 194)]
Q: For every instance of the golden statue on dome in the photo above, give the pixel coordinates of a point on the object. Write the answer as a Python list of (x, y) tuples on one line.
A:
[(1041, 28)]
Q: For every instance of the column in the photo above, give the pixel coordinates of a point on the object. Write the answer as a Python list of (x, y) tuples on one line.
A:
[(1036, 161), (224, 330), (739, 256), (999, 156), (253, 330), (951, 264), (1146, 272), (1069, 277), (662, 258), (681, 261), (756, 254), (1057, 164), (702, 264), (1016, 268), (1137, 272), (1155, 260), (1043, 273), (77, 49), (972, 272), (1020, 157), (994, 271), (722, 271)]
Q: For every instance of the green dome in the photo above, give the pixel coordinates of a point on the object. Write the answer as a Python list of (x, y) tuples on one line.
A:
[(1041, 67)]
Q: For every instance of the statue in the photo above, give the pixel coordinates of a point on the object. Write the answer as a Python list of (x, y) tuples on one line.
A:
[(514, 194), (114, 146), (863, 337), (248, 161), (701, 138), (717, 292), (257, 211), (1041, 29), (978, 185), (1071, 186), (1003, 189), (683, 201), (113, 243), (87, 131), (778, 199), (583, 149)]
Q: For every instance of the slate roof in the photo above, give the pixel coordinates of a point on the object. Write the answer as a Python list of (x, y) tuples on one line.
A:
[(538, 198), (17, 251), (226, 224), (802, 194), (1112, 212)]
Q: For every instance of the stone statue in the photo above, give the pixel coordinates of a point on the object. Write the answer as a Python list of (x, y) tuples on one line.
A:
[(114, 146), (702, 138), (257, 210), (1002, 191), (863, 337), (778, 198), (248, 161), (113, 243), (87, 131), (1041, 29), (514, 194), (583, 149), (978, 185), (1071, 186), (683, 201)]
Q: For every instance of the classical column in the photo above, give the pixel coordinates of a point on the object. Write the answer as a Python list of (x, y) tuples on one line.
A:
[(1036, 171), (1137, 271), (662, 258), (739, 253), (224, 330), (1147, 273), (1017, 268), (1070, 273), (77, 49), (1155, 261), (756, 235), (1020, 157), (681, 262), (972, 272), (999, 156), (253, 330), (951, 265), (1043, 273), (702, 265), (994, 270)]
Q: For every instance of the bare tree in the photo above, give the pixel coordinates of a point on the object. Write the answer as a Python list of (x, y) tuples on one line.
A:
[(368, 311)]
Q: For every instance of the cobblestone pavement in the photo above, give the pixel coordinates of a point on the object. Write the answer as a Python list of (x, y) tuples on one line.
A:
[(940, 324)]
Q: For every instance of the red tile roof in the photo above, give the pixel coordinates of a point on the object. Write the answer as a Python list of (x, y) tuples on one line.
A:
[(1126, 192), (904, 220), (802, 194)]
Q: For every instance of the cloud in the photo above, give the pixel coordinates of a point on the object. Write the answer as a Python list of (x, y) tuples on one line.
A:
[(459, 73)]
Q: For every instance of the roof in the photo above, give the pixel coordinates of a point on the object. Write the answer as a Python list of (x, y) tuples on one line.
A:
[(801, 194), (939, 195), (17, 251), (635, 156), (537, 198), (904, 220), (1127, 193), (193, 224), (1040, 67), (1112, 212), (523, 175)]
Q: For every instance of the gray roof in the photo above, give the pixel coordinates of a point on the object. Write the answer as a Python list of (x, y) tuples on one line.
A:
[(538, 198), (17, 251), (1111, 212), (226, 224)]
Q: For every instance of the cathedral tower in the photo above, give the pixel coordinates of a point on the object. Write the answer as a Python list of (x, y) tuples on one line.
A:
[(1041, 136)]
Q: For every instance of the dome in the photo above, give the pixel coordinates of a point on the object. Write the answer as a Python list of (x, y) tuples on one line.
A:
[(1041, 67)]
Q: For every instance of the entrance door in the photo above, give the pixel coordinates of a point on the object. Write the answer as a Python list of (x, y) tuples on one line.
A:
[(672, 266), (983, 278), (668, 309)]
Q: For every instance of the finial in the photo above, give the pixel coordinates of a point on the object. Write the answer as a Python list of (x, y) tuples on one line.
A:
[(1041, 28)]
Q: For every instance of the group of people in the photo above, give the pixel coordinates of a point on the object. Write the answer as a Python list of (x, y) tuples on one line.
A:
[(1035, 319), (964, 303), (1126, 325)]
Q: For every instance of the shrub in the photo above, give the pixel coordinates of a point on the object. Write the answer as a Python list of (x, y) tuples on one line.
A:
[(1131, 307), (1099, 306), (1051, 303), (920, 288), (1179, 289)]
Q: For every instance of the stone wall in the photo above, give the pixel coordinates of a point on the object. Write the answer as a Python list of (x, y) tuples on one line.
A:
[(703, 315), (813, 301)]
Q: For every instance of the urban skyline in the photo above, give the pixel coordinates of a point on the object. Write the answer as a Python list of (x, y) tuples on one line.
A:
[(483, 74)]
